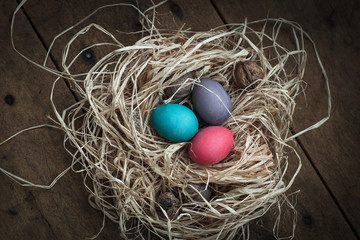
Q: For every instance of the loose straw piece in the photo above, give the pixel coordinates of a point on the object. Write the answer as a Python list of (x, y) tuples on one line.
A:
[(129, 165)]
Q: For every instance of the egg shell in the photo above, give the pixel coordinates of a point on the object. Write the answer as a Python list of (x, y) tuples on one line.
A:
[(175, 122), (211, 145), (211, 101)]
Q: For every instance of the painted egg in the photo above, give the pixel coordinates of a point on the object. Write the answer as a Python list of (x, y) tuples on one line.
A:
[(211, 145), (211, 101), (174, 122)]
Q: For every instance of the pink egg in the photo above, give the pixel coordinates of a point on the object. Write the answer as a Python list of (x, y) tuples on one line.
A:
[(211, 145)]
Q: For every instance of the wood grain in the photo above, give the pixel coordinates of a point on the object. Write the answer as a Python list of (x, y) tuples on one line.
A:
[(317, 215), (38, 156), (63, 212), (333, 148)]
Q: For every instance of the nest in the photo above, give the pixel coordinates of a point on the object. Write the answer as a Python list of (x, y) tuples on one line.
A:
[(130, 166), (149, 185)]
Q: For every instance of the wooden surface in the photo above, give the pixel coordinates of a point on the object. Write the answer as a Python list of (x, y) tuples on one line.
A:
[(328, 205)]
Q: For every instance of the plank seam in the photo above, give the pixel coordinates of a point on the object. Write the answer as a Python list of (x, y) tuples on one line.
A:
[(309, 158), (45, 47), (298, 141), (218, 12)]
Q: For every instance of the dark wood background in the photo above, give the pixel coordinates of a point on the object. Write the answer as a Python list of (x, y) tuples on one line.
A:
[(328, 205)]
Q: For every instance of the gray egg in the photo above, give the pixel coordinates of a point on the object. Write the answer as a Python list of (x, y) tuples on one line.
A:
[(211, 101)]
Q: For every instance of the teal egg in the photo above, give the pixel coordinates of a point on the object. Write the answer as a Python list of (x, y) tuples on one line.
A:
[(174, 122)]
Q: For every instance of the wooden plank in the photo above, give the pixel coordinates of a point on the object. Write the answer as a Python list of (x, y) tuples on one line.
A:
[(118, 20), (38, 155), (62, 212), (317, 215), (195, 14), (333, 147)]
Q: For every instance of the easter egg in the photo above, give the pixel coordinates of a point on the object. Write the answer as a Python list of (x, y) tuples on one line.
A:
[(174, 122), (211, 101), (211, 145)]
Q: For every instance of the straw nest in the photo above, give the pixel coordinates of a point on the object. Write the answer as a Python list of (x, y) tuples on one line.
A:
[(147, 184)]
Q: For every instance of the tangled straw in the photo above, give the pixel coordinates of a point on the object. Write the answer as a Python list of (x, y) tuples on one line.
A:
[(126, 164), (129, 164)]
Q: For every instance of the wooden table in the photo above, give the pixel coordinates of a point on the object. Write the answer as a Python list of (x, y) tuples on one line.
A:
[(328, 205)]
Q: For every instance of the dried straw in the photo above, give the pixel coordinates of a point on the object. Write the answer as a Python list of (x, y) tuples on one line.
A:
[(129, 164), (126, 164)]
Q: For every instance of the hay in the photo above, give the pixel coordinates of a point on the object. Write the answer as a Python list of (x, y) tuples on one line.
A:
[(126, 165), (129, 164)]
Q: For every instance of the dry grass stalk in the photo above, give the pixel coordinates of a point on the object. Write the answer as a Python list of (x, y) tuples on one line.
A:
[(128, 164)]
